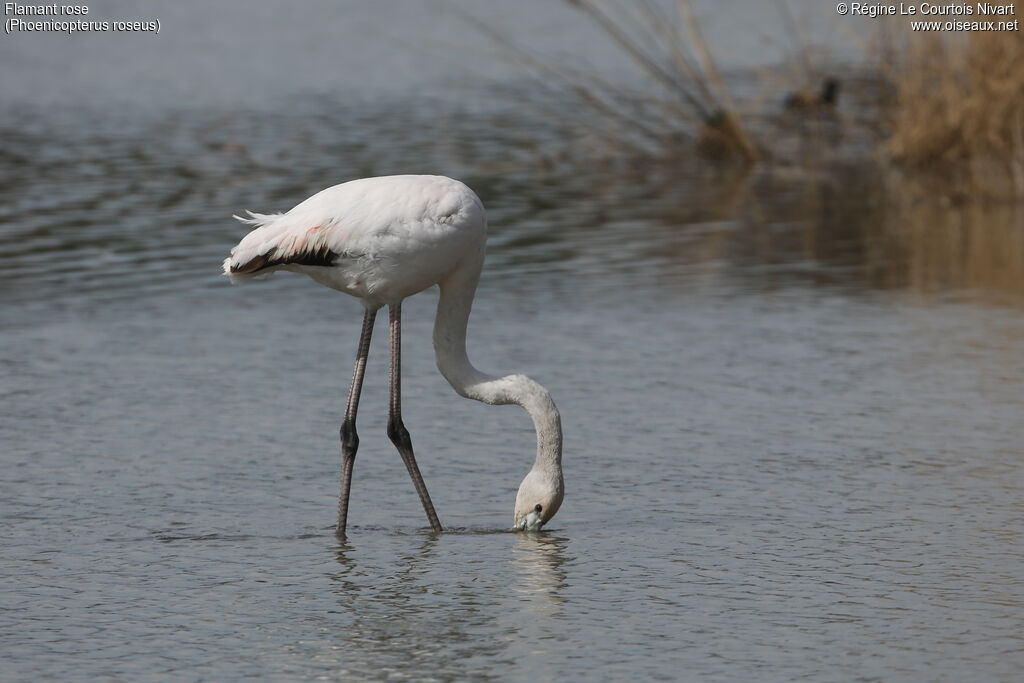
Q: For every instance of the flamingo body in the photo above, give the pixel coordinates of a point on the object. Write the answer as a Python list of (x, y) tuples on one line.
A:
[(377, 239), (382, 240)]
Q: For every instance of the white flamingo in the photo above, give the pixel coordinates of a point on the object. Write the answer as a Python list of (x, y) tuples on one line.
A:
[(382, 240)]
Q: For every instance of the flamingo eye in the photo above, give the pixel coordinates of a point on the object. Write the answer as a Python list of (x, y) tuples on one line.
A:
[(538, 507)]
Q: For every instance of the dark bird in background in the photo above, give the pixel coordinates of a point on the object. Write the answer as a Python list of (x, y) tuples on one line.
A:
[(806, 101)]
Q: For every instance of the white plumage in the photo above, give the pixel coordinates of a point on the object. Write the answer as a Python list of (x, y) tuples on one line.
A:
[(385, 238), (382, 240)]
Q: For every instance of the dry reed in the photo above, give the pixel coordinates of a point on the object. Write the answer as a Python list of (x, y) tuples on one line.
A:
[(958, 116), (945, 109)]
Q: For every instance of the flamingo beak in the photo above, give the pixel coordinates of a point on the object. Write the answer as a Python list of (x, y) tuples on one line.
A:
[(529, 522)]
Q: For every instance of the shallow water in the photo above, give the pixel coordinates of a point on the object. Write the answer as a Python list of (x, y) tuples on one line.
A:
[(792, 449)]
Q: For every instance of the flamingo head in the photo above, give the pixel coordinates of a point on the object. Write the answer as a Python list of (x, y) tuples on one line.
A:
[(539, 497)]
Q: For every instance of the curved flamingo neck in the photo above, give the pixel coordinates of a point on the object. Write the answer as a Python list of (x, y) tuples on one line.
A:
[(450, 325)]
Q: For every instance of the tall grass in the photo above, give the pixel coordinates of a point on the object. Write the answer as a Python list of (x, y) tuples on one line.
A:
[(673, 53), (942, 110), (958, 115)]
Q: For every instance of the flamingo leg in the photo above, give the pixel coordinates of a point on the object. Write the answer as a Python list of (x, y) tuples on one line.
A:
[(397, 432), (349, 438)]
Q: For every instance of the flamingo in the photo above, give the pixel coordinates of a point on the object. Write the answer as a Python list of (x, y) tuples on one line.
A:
[(382, 240)]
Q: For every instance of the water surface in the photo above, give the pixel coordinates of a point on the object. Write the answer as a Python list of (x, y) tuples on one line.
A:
[(792, 431)]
